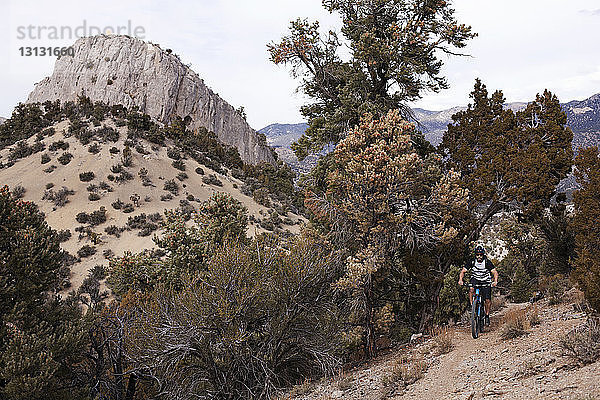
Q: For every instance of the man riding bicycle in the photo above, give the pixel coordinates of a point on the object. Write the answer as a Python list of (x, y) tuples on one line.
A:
[(482, 270)]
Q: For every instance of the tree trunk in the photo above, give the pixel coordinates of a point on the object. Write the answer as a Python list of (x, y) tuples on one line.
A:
[(131, 387), (430, 305), (370, 345)]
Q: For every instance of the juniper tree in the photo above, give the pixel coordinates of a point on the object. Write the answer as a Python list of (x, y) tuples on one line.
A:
[(508, 160), (40, 335)]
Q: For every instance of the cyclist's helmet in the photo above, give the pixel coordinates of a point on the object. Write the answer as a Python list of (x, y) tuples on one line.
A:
[(479, 250)]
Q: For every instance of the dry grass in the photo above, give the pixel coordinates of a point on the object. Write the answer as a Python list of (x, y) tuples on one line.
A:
[(498, 303), (514, 324), (442, 341), (533, 315), (344, 382), (583, 343), (407, 370)]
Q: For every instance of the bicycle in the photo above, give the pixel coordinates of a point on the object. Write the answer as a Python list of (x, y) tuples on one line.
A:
[(477, 312)]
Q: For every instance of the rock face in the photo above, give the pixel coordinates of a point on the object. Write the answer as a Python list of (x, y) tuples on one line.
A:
[(131, 72)]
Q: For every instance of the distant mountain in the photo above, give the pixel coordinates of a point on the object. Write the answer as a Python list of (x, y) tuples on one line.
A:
[(281, 137), (583, 117)]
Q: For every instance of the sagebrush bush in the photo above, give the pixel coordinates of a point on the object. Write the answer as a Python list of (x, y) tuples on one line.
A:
[(86, 176), (45, 158), (178, 164), (86, 251), (59, 198), (94, 148), (65, 158), (212, 180), (583, 343), (18, 192), (60, 144), (171, 186), (263, 279), (514, 324)]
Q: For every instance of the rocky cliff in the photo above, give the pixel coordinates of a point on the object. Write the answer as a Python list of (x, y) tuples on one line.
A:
[(131, 72)]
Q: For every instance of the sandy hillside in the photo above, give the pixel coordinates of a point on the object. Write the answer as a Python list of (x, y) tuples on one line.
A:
[(29, 173), (528, 367)]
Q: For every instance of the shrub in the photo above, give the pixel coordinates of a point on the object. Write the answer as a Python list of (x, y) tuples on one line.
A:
[(236, 274), (127, 157), (92, 188), (173, 153), (443, 341), (407, 371), (171, 186), (65, 158), (82, 218), (556, 287), (59, 198), (182, 176), (97, 217), (166, 197), (199, 171), (86, 251), (45, 158), (261, 196), (94, 148), (116, 169), (179, 164), (86, 176), (18, 192), (50, 169), (63, 235), (521, 288), (49, 185), (60, 144), (117, 205), (21, 150), (127, 208), (124, 176), (108, 254), (105, 186), (515, 323), (212, 180), (114, 150), (108, 134), (94, 197), (113, 230), (583, 343)]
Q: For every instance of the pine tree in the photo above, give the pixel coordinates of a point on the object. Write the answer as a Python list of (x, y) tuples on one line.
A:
[(395, 56), (384, 201)]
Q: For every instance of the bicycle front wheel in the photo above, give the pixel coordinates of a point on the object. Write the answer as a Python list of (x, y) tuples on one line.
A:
[(474, 319)]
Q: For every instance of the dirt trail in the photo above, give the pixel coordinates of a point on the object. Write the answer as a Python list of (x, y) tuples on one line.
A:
[(528, 367)]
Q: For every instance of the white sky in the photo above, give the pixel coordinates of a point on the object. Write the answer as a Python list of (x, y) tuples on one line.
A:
[(524, 46)]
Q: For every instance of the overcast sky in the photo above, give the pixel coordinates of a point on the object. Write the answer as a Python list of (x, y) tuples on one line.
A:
[(524, 46)]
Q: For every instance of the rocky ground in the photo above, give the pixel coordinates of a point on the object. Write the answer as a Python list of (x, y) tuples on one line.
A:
[(531, 366)]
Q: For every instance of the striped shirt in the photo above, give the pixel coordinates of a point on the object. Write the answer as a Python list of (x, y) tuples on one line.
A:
[(481, 270)]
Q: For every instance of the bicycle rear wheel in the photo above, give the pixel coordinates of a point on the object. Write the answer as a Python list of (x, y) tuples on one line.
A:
[(474, 319)]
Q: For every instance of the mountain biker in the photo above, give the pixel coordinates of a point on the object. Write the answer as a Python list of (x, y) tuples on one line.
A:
[(482, 269)]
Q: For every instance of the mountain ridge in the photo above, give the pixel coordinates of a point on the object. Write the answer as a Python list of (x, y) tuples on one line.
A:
[(128, 71), (583, 117)]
